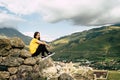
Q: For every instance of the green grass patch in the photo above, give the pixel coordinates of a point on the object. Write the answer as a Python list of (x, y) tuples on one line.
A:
[(113, 75)]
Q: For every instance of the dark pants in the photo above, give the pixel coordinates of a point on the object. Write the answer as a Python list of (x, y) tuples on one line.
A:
[(41, 49)]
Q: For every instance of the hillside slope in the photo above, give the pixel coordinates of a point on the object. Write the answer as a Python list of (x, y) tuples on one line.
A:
[(94, 44), (11, 32)]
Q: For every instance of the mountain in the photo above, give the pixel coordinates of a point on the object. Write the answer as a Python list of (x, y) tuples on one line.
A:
[(95, 45), (11, 32)]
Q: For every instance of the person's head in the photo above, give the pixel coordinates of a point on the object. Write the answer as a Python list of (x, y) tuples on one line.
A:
[(37, 35)]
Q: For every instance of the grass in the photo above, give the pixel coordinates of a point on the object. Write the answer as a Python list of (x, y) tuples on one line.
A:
[(113, 75)]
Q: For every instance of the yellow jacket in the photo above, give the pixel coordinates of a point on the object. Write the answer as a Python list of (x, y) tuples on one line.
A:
[(33, 45)]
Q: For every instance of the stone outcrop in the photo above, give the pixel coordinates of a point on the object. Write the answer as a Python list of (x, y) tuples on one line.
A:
[(16, 63)]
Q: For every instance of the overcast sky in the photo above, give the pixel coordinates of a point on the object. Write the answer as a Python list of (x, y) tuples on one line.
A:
[(55, 18)]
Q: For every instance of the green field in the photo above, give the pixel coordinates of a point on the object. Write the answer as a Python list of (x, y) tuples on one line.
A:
[(113, 75)]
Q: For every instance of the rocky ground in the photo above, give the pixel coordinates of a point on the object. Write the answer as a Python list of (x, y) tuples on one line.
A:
[(16, 63)]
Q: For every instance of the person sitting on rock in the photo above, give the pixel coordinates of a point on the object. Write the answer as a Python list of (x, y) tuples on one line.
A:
[(37, 46)]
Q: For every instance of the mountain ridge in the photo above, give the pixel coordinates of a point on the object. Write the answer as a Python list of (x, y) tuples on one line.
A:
[(12, 32)]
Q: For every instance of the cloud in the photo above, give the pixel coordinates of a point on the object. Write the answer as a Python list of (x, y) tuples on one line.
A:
[(21, 7), (79, 12), (82, 12), (28, 33), (9, 20)]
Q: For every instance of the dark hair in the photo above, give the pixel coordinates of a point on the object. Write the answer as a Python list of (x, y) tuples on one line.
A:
[(35, 34)]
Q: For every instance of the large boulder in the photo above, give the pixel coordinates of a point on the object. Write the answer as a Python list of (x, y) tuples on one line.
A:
[(25, 54), (4, 75), (0, 59), (5, 46), (17, 43), (30, 61), (12, 61), (65, 76), (13, 77), (12, 70), (45, 63), (14, 53), (24, 68), (49, 72)]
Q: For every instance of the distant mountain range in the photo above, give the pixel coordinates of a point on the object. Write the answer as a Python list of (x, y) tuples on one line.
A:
[(95, 44), (11, 32)]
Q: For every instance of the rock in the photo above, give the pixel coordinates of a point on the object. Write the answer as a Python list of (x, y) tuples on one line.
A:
[(12, 61), (0, 59), (36, 68), (17, 43), (12, 70), (23, 75), (24, 72), (65, 76), (13, 77), (23, 68), (4, 47), (25, 54), (30, 61), (14, 52), (28, 73), (4, 52), (49, 72), (36, 76), (45, 63), (4, 75), (5, 44), (79, 77)]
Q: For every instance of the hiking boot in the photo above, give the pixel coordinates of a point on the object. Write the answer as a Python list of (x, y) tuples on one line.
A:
[(43, 56), (49, 53)]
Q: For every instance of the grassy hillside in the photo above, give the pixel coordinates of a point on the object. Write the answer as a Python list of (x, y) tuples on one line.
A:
[(99, 44), (11, 32)]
